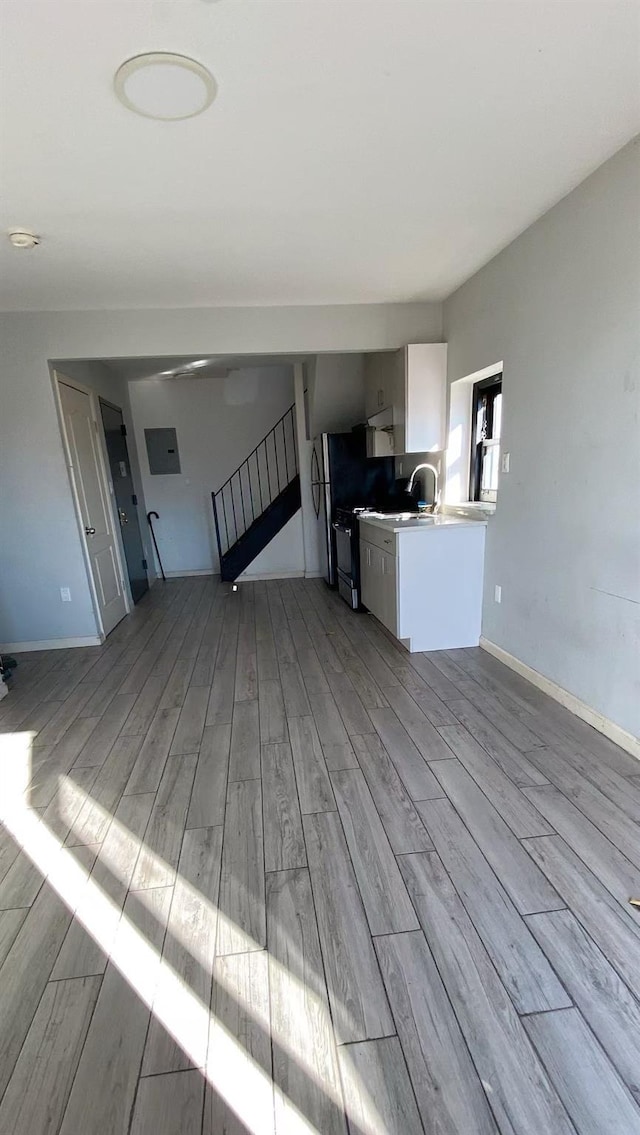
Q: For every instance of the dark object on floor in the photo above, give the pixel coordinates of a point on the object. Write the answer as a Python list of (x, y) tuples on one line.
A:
[(7, 665), (155, 542)]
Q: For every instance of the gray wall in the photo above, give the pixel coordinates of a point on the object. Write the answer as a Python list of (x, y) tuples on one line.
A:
[(218, 421), (336, 400), (561, 307), (40, 546), (37, 517)]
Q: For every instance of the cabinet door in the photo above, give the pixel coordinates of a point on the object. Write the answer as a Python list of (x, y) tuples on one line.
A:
[(367, 587), (388, 606), (425, 397)]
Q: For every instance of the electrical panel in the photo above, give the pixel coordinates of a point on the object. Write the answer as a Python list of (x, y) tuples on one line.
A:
[(162, 450)]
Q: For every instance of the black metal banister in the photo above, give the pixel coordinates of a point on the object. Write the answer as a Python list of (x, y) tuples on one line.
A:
[(240, 485), (288, 412)]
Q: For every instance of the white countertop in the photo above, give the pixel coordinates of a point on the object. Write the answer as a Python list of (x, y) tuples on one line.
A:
[(425, 524), (470, 509)]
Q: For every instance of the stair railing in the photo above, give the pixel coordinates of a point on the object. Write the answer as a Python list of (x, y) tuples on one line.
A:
[(256, 483)]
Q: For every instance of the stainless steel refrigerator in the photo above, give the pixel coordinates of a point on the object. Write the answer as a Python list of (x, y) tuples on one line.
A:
[(342, 476)]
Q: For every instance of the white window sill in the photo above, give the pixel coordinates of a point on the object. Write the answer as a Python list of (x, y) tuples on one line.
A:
[(470, 508)]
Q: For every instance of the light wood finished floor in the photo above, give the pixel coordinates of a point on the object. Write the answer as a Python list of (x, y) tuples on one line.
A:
[(262, 871)]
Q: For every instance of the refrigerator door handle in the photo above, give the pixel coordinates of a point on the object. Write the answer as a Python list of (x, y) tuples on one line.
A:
[(332, 580), (315, 482)]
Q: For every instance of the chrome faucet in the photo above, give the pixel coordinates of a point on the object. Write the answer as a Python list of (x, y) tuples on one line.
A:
[(436, 488)]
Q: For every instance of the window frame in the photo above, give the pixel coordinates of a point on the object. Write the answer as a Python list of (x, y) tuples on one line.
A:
[(479, 449)]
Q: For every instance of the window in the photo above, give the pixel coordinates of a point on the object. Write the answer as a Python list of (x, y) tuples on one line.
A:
[(485, 440)]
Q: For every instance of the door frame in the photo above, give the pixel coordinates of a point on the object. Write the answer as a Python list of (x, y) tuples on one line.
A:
[(114, 503), (59, 378)]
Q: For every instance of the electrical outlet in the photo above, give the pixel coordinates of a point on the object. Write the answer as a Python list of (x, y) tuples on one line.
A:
[(400, 468), (506, 460), (497, 593), (65, 594)]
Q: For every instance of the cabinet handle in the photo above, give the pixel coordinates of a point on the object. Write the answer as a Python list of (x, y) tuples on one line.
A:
[(387, 541)]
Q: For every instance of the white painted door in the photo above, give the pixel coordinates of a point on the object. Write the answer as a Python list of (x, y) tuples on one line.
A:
[(92, 494)]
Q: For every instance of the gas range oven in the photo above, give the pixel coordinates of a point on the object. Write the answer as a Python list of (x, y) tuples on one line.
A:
[(347, 544)]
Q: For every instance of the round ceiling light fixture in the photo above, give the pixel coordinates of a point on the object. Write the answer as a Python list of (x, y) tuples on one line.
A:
[(23, 238), (164, 86)]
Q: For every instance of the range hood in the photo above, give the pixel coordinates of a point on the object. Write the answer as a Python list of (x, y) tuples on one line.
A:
[(380, 441)]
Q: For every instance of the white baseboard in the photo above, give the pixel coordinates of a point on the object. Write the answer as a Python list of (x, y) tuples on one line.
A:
[(313, 574), (603, 724), (247, 577), (183, 574), (49, 644)]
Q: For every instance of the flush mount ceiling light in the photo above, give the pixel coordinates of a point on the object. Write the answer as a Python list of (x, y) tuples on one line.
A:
[(23, 238), (164, 86), (214, 372)]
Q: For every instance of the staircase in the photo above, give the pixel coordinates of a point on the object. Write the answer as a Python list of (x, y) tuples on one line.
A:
[(258, 499)]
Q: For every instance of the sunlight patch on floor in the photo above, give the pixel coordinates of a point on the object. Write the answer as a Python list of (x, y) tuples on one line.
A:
[(139, 963), (15, 766), (234, 1074), (308, 1008)]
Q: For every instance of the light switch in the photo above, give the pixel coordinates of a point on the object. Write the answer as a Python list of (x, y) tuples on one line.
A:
[(497, 594), (505, 462)]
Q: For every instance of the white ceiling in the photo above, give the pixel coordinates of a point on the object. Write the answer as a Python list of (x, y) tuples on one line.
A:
[(168, 366), (358, 150)]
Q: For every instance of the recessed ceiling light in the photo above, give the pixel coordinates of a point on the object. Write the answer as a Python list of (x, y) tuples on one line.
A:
[(165, 86)]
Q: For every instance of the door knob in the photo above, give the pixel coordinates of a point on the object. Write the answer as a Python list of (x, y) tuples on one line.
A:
[(90, 531)]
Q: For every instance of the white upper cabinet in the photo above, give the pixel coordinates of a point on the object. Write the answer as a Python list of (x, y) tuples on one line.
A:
[(425, 375), (412, 384)]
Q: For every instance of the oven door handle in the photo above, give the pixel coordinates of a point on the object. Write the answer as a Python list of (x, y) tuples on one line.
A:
[(341, 528)]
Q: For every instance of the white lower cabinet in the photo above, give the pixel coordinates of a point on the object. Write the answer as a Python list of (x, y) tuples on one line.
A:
[(424, 583), (378, 578), (367, 585), (388, 592)]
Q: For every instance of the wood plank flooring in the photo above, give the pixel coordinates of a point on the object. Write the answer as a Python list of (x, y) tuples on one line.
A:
[(262, 871)]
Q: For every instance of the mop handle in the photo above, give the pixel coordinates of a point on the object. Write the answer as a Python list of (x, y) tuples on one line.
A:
[(155, 542)]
